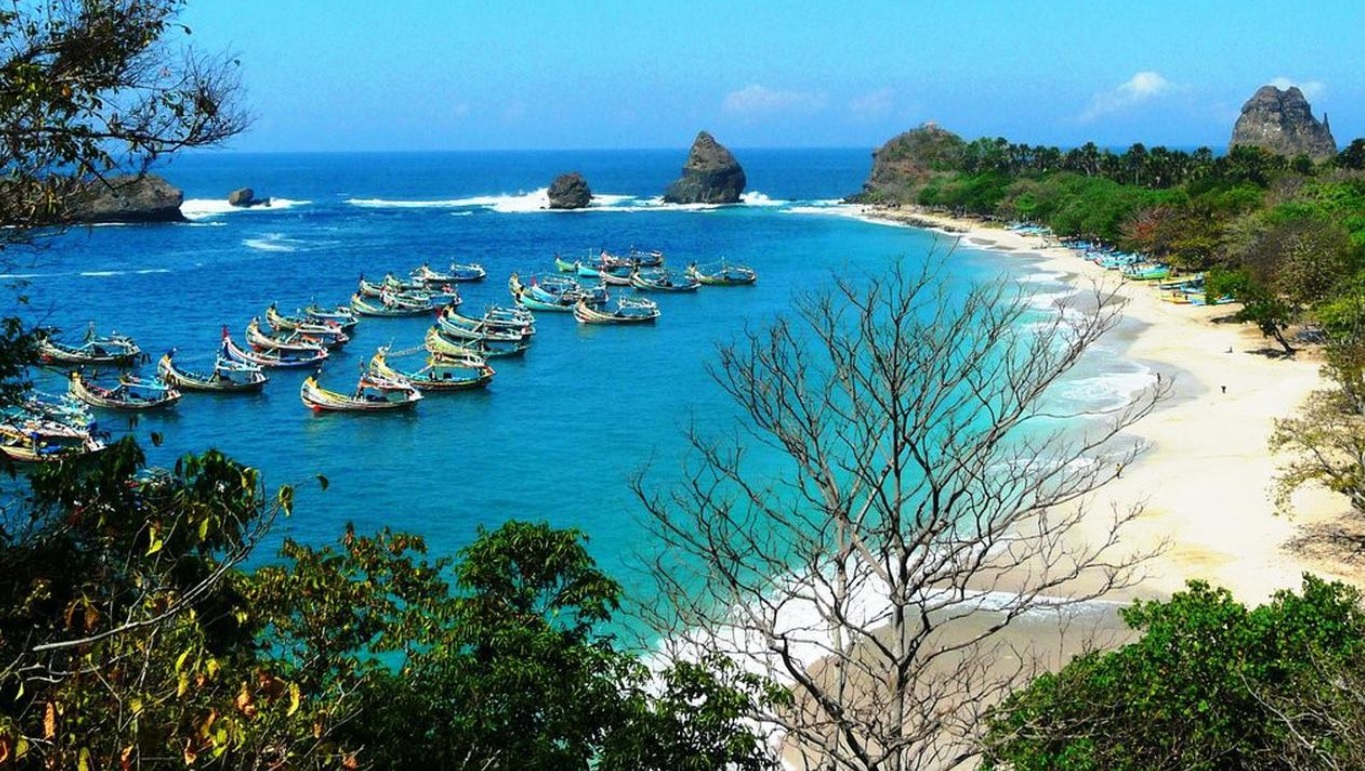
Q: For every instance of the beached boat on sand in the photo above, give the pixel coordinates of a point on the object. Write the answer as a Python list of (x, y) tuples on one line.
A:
[(372, 394), (131, 393)]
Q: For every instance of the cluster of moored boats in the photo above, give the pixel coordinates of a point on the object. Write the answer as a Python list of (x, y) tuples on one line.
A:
[(456, 349), (1136, 267)]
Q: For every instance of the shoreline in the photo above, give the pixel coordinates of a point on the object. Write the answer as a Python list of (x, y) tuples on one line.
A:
[(1206, 478)]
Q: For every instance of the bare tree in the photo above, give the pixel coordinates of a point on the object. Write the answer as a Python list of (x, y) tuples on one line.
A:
[(929, 495)]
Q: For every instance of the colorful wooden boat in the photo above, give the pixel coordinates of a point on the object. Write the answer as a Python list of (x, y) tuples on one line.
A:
[(45, 441), (131, 393), (340, 314), (438, 343), (663, 280), (278, 359), (390, 305), (308, 323), (502, 317), (228, 376), (722, 273), (629, 310), (296, 340), (372, 394), (95, 349), (460, 327), (440, 373), (457, 272)]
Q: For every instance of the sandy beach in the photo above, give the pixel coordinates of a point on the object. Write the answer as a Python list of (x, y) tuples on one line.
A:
[(1205, 483)]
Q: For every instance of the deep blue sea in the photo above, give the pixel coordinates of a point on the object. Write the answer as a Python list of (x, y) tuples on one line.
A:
[(559, 432)]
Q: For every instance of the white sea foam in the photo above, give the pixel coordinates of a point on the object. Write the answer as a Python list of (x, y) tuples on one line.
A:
[(102, 273), (274, 242), (1107, 391), (755, 198), (203, 208), (535, 200)]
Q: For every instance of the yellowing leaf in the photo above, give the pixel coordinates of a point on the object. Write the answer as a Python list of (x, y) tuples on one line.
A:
[(294, 699), (83, 760), (50, 721)]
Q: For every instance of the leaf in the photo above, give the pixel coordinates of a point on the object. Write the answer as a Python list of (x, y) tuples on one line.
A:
[(286, 498), (322, 481), (294, 699), (50, 721), (83, 760), (180, 660), (157, 438)]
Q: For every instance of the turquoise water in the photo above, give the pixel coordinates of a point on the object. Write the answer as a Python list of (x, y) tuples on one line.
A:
[(558, 433)]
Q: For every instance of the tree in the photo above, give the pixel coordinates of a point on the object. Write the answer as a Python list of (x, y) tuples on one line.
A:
[(90, 89), (123, 639), (514, 671), (1209, 685), (919, 468)]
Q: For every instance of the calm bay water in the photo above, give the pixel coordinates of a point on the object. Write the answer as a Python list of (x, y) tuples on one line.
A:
[(558, 433)]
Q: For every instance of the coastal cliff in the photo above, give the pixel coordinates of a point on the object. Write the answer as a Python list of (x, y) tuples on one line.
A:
[(1283, 123), (711, 175), (907, 161)]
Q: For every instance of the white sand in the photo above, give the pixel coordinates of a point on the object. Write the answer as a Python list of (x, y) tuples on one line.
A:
[(1206, 481)]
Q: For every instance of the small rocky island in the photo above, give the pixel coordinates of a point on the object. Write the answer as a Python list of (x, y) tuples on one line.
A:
[(711, 175), (245, 197), (1283, 123), (127, 199), (570, 191)]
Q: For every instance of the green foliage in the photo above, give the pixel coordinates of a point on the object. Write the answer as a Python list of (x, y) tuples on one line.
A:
[(1196, 691)]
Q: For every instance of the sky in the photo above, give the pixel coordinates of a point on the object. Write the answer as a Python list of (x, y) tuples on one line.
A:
[(337, 75)]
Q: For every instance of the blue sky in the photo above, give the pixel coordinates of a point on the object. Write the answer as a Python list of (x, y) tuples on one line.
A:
[(333, 75)]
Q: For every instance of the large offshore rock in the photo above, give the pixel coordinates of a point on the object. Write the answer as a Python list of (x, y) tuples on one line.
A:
[(128, 199), (1283, 123), (711, 175), (570, 191)]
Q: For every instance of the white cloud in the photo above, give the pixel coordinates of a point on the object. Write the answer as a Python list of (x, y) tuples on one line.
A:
[(1311, 89), (1142, 87), (876, 104), (755, 101)]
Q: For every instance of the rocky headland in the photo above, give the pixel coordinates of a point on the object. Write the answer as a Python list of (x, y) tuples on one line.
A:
[(570, 191), (711, 175), (134, 199), (906, 162), (1283, 123)]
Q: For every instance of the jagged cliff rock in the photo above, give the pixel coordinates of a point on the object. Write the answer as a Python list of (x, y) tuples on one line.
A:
[(570, 191), (907, 161), (711, 175), (128, 199), (1283, 123)]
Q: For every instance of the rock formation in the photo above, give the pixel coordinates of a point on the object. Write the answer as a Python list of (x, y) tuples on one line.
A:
[(570, 191), (128, 199), (711, 175), (1283, 123), (907, 161), (245, 197)]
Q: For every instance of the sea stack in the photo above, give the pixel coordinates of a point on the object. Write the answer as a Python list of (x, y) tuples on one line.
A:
[(570, 191), (711, 175), (246, 197), (1282, 122), (128, 199)]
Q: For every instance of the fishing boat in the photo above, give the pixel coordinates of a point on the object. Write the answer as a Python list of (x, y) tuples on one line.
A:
[(438, 343), (308, 323), (663, 280), (279, 359), (553, 293), (45, 441), (340, 314), (94, 349), (629, 310), (296, 340), (722, 273), (131, 393), (228, 375), (459, 327), (502, 317), (565, 266), (372, 394), (1154, 272), (388, 304), (635, 258), (440, 373), (617, 275), (458, 271)]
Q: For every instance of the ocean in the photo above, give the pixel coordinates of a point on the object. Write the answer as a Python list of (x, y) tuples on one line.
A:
[(558, 434)]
